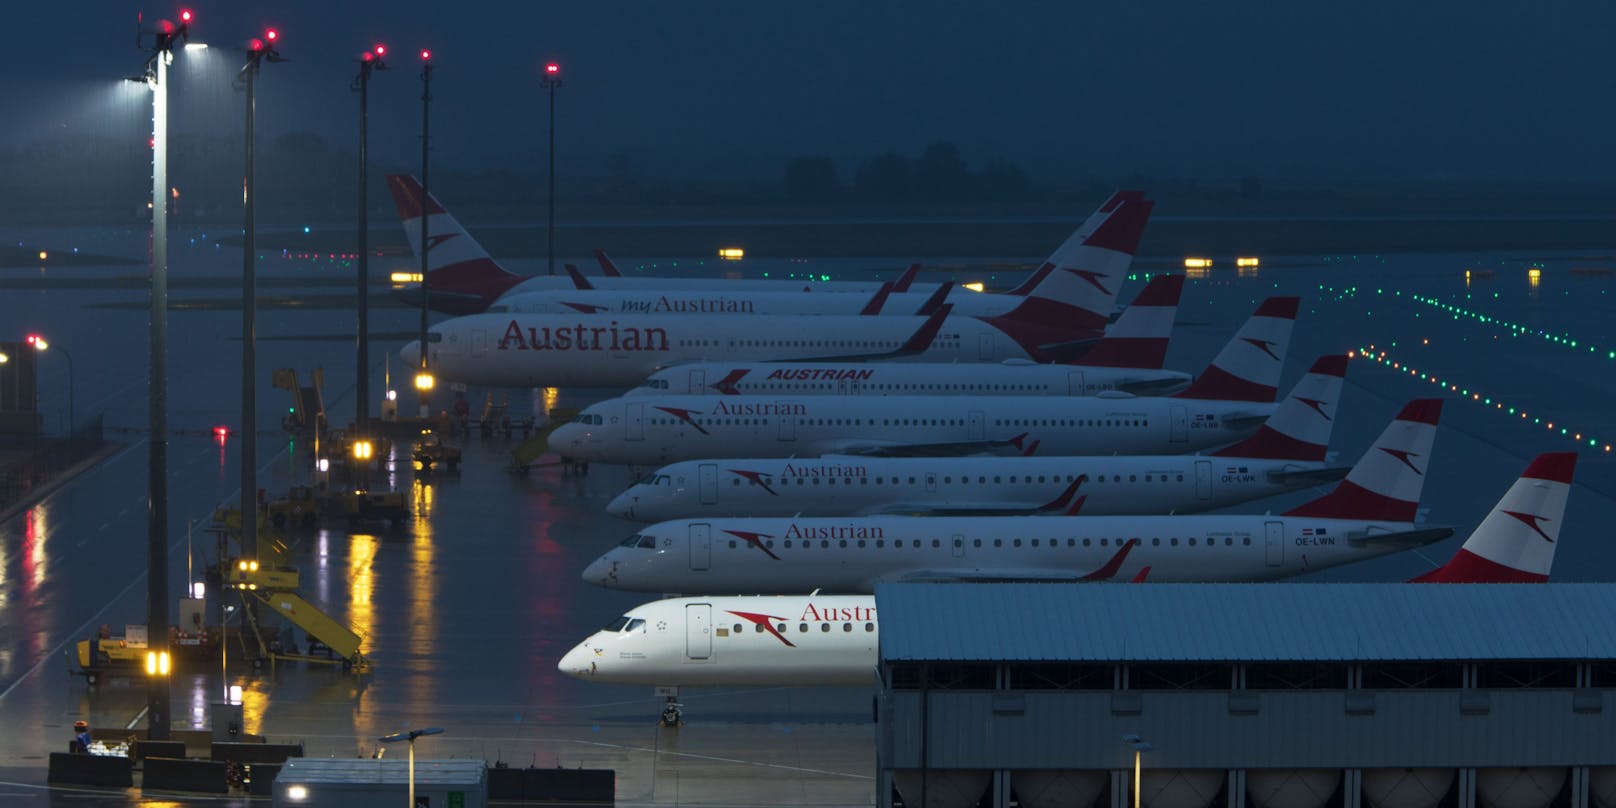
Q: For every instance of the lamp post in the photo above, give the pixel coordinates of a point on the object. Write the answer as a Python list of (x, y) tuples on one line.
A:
[(162, 39), (411, 736), (552, 80), (1140, 747), (258, 52), (423, 379), (39, 343), (369, 62)]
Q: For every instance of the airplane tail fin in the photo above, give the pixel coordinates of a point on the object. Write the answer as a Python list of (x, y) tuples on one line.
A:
[(1139, 337), (462, 277), (578, 279), (606, 266), (1038, 275), (1077, 237), (1081, 289), (1247, 369), (922, 339), (1515, 543), (1386, 482), (1300, 427)]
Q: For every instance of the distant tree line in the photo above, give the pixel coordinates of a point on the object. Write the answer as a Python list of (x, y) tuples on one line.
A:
[(937, 174)]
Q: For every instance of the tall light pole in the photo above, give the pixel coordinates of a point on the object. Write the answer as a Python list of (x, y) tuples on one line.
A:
[(552, 80), (423, 379), (369, 62), (1140, 747), (411, 736), (39, 343), (163, 37), (258, 51)]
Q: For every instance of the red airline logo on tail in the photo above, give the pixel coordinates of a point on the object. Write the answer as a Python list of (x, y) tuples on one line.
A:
[(1404, 456), (684, 415), (766, 621), (586, 308), (727, 384), (432, 242), (1266, 346), (1530, 521), (754, 539), (1317, 405), (1092, 277), (756, 477)]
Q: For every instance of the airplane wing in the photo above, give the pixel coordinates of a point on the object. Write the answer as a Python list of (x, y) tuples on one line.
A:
[(1239, 422), (1401, 538), (950, 449), (1155, 387), (1309, 476), (954, 509), (1104, 573)]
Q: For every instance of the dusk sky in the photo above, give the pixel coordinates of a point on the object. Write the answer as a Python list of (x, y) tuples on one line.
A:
[(1378, 90)]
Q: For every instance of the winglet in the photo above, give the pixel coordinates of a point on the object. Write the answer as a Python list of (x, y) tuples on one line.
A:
[(1386, 482), (878, 300), (1059, 502), (936, 299), (1111, 567), (606, 266), (1515, 543), (926, 333), (578, 279), (1140, 577), (907, 278)]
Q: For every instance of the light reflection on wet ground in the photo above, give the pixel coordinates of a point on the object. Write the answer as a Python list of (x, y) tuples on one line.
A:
[(466, 607)]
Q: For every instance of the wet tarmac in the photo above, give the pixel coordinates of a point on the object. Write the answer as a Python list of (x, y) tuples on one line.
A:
[(466, 608)]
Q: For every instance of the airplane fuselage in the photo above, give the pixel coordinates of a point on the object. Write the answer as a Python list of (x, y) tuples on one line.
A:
[(904, 379), (844, 485), (739, 301), (656, 430)]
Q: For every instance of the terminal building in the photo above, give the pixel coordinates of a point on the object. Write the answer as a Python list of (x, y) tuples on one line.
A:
[(1236, 695)]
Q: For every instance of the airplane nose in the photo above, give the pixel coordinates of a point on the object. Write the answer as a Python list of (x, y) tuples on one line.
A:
[(410, 354), (622, 506), (577, 662), (597, 571)]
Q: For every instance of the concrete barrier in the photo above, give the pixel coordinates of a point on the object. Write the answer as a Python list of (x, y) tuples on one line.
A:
[(91, 770), (255, 752), (181, 774)]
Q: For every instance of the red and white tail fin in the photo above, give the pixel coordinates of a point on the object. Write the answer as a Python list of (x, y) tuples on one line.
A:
[(1386, 483), (1078, 236), (1038, 275), (1515, 543), (462, 277), (877, 300), (1247, 369), (936, 300), (1300, 427), (1079, 293), (606, 265), (1139, 337), (577, 276)]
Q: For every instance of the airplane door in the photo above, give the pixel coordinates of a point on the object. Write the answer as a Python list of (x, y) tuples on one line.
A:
[(698, 382), (1178, 424), (841, 387), (931, 482), (701, 547), (1203, 479), (977, 425), (479, 342), (698, 630), (788, 427), (709, 483), (1074, 383), (1274, 541), (959, 546), (634, 422), (984, 346)]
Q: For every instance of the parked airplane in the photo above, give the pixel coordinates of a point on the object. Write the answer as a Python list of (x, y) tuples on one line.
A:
[(1287, 453), (1228, 402), (766, 555), (580, 350), (832, 639), (463, 279), (1515, 543), (1088, 289), (1128, 358)]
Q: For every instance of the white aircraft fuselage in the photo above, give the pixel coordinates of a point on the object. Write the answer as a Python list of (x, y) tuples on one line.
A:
[(843, 485), (656, 430), (1011, 378)]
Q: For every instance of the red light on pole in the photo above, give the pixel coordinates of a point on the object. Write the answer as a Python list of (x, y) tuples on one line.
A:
[(185, 15), (426, 55), (272, 35), (381, 50), (255, 44), (552, 69), (33, 339)]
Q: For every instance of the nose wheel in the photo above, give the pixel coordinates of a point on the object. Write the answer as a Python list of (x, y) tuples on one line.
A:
[(672, 713)]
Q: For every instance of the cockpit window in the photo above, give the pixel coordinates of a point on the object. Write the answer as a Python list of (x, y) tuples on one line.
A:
[(635, 624), (617, 625), (663, 479), (435, 336), (631, 541), (648, 542), (585, 418)]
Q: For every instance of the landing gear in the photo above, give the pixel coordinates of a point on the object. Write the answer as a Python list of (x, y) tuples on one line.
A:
[(672, 713), (579, 467)]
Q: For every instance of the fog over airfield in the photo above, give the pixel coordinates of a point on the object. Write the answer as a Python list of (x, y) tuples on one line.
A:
[(1380, 90)]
